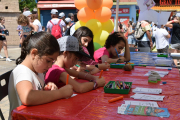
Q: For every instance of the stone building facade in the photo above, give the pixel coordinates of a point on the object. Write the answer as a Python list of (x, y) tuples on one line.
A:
[(9, 9)]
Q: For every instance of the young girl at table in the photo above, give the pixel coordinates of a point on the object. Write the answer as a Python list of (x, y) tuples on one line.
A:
[(70, 53), (26, 86), (112, 48), (85, 38)]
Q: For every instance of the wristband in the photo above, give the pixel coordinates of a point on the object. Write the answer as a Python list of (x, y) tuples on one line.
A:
[(172, 21), (95, 84), (96, 65)]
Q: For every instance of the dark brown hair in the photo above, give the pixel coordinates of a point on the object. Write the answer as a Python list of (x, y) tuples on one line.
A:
[(44, 42)]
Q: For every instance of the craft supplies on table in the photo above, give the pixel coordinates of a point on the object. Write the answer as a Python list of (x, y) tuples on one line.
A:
[(117, 87)]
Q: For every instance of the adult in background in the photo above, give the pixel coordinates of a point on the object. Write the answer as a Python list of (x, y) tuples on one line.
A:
[(55, 20), (146, 40), (36, 23), (68, 24), (72, 29), (162, 40), (175, 39), (131, 39), (62, 16), (3, 41), (71, 16)]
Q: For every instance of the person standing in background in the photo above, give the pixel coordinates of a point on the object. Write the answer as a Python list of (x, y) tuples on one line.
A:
[(55, 20), (71, 16), (3, 41), (162, 40), (36, 23), (131, 40), (62, 16)]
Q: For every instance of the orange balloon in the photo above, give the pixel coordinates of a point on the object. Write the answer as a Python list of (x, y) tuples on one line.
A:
[(107, 3), (103, 14), (85, 14), (80, 4), (94, 4)]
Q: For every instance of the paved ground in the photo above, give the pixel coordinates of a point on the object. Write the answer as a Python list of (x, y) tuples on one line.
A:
[(14, 52)]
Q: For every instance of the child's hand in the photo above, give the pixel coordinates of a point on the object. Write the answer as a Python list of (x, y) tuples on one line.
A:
[(103, 66), (81, 69), (66, 91), (50, 86), (100, 82)]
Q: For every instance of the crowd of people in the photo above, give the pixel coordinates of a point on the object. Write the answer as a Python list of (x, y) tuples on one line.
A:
[(49, 54)]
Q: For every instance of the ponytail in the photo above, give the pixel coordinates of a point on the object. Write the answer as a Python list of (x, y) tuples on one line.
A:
[(24, 50)]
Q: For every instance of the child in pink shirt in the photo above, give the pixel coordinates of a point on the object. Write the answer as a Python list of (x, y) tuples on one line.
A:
[(70, 53), (113, 47)]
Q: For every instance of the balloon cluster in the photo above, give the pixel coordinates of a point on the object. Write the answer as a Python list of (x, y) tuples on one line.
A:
[(95, 14)]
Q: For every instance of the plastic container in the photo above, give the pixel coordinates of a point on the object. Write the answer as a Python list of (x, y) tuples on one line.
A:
[(114, 65), (162, 55), (117, 91)]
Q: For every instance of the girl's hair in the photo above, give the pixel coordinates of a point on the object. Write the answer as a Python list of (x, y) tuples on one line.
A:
[(1, 18), (33, 17), (44, 42), (22, 19), (85, 32), (113, 39)]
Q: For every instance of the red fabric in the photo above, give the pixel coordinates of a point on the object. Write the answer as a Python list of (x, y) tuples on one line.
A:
[(53, 75), (99, 53), (94, 104)]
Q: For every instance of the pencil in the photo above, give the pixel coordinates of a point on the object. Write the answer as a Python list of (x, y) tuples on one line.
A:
[(101, 74), (67, 79), (115, 99), (117, 53)]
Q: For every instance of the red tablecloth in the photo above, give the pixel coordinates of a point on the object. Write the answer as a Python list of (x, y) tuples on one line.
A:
[(94, 104)]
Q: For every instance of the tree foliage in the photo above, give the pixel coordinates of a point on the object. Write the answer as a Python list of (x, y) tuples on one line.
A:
[(31, 4)]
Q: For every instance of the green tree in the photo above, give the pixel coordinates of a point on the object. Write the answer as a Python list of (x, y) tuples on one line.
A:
[(31, 4)]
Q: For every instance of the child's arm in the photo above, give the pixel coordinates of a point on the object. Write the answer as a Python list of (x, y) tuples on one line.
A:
[(81, 87), (105, 58), (80, 75), (92, 69), (28, 96)]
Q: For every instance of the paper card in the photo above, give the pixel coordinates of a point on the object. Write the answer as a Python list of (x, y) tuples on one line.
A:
[(148, 97), (147, 90), (142, 103), (168, 68), (163, 17), (161, 73), (150, 15)]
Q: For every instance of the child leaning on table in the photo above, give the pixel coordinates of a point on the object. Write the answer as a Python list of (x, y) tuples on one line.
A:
[(113, 46), (26, 86), (85, 38), (70, 53)]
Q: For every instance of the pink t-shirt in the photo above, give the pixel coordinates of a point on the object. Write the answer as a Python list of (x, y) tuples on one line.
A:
[(99, 53), (53, 75)]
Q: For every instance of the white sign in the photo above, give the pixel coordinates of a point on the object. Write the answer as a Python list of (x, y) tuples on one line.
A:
[(145, 4)]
